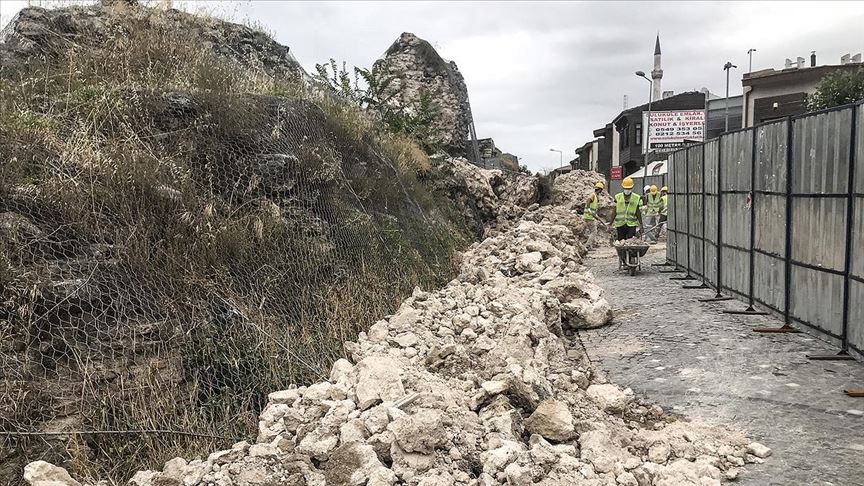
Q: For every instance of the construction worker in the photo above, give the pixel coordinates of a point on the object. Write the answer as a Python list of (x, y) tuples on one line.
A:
[(593, 202), (664, 207), (652, 212), (626, 215)]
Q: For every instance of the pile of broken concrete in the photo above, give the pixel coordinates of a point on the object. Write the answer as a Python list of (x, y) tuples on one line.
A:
[(472, 384)]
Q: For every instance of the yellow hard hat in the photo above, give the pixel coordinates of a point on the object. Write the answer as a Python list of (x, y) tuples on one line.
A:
[(600, 185), (664, 189), (627, 183), (653, 188)]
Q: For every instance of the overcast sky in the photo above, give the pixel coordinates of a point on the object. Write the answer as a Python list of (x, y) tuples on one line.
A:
[(543, 75)]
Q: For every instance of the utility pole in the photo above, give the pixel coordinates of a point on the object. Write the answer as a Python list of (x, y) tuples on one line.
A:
[(647, 127), (750, 53), (727, 67)]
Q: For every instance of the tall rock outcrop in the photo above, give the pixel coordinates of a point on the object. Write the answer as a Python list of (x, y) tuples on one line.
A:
[(419, 69)]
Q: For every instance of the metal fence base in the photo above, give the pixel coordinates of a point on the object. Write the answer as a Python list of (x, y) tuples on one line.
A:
[(750, 311), (841, 356), (777, 330), (854, 392), (717, 298), (700, 286)]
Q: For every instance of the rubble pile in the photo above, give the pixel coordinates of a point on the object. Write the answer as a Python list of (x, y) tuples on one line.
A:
[(487, 198), (573, 188), (566, 202), (472, 384), (634, 241)]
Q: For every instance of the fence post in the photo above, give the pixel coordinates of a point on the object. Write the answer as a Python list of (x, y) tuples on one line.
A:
[(750, 310), (850, 209)]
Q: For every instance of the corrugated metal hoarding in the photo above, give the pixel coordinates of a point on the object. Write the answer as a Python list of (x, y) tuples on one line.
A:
[(800, 182)]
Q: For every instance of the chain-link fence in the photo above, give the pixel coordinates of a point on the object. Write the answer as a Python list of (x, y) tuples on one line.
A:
[(168, 257), (774, 215)]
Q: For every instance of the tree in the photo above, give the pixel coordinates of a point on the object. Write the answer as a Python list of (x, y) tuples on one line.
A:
[(841, 87)]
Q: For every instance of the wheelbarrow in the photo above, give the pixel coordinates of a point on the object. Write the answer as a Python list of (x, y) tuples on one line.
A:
[(628, 257)]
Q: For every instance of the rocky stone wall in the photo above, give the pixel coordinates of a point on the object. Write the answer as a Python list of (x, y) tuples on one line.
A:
[(418, 68)]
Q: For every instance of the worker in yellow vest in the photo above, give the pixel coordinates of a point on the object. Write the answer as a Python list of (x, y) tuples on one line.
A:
[(652, 213), (626, 216), (593, 202), (664, 200)]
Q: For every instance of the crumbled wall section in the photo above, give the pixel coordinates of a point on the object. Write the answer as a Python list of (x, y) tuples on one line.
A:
[(472, 384), (418, 67)]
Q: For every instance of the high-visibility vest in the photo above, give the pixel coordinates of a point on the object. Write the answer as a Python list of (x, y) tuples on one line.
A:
[(654, 203), (591, 209), (664, 209), (625, 210)]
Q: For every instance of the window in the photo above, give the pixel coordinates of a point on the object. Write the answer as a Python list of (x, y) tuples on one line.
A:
[(624, 134), (638, 134)]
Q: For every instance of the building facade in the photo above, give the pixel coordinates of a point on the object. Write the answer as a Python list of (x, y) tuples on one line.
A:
[(770, 94), (619, 144)]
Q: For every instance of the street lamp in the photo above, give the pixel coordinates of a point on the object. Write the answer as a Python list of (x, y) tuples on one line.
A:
[(647, 127), (560, 155), (727, 67)]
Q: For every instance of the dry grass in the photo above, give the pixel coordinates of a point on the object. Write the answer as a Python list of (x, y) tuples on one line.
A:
[(181, 235)]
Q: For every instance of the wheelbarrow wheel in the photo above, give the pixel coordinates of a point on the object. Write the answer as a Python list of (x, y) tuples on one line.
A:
[(632, 271)]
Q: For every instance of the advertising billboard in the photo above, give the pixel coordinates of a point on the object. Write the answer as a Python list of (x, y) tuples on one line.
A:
[(671, 130)]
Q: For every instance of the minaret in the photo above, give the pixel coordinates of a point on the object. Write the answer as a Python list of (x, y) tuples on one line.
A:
[(657, 73)]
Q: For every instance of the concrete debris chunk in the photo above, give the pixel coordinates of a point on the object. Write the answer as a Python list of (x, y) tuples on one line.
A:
[(378, 380), (552, 419), (41, 473), (609, 397), (758, 450)]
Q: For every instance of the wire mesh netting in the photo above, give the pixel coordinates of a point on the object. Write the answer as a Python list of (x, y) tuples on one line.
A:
[(167, 258)]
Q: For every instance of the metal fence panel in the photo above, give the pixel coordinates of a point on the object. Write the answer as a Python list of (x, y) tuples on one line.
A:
[(736, 220), (856, 316), (710, 223), (771, 157), (859, 151), (771, 224), (695, 216), (816, 299), (821, 148), (737, 148), (769, 284), (736, 270), (712, 152), (857, 267), (819, 232)]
